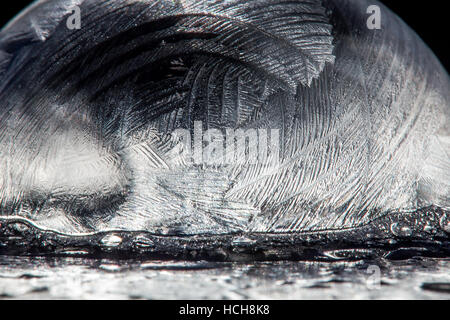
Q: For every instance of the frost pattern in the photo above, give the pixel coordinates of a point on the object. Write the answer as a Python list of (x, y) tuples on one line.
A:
[(88, 118)]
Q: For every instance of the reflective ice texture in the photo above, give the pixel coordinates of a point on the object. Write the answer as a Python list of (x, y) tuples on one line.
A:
[(79, 278), (113, 126)]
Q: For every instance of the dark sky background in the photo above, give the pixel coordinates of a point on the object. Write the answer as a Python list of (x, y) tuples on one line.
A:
[(430, 19)]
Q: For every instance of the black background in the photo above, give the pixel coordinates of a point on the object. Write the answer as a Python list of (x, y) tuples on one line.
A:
[(279, 309), (430, 19)]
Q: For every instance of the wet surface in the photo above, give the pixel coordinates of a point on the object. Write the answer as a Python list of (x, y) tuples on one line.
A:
[(99, 199), (84, 278), (39, 264), (398, 237)]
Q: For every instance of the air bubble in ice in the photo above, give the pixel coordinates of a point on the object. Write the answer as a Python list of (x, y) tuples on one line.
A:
[(400, 231), (444, 222), (111, 240)]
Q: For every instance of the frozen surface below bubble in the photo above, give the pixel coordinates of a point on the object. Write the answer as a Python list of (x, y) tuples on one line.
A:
[(81, 278)]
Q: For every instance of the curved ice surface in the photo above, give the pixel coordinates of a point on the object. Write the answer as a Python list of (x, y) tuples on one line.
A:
[(216, 117)]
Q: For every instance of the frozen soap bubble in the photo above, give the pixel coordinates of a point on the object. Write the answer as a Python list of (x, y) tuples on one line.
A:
[(214, 118)]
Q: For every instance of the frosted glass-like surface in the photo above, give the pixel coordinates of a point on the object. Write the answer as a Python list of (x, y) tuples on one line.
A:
[(218, 117)]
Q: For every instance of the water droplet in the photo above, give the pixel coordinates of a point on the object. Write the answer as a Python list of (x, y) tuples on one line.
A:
[(111, 240), (400, 231), (110, 267), (21, 227), (74, 252), (444, 222), (47, 243), (406, 231), (143, 242), (429, 229), (243, 241)]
